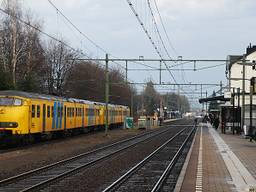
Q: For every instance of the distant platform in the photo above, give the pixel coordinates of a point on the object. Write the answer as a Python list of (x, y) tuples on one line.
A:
[(218, 163), (170, 120)]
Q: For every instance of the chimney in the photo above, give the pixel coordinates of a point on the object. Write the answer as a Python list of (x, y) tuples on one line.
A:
[(250, 49)]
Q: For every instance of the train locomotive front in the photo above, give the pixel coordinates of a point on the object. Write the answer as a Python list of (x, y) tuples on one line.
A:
[(14, 117)]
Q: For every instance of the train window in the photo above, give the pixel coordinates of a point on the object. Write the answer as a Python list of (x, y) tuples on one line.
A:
[(52, 112), (90, 112), (17, 102), (38, 111), (33, 111), (48, 111), (68, 112), (5, 101)]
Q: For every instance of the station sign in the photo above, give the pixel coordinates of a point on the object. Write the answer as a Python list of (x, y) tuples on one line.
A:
[(227, 95)]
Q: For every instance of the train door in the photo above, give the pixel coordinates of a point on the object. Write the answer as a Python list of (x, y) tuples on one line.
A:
[(83, 117), (65, 117), (44, 117)]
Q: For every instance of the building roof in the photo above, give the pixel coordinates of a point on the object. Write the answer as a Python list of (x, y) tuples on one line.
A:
[(232, 59), (216, 98)]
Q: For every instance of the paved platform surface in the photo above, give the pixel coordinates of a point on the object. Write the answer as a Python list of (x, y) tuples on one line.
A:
[(244, 150), (220, 163)]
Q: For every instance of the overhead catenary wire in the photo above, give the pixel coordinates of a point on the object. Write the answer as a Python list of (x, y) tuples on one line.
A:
[(71, 23), (42, 32), (165, 31), (47, 35), (149, 37), (88, 38), (157, 29)]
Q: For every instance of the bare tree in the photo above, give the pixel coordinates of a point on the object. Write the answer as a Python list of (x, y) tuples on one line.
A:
[(151, 99), (12, 39), (87, 81), (60, 60), (21, 57)]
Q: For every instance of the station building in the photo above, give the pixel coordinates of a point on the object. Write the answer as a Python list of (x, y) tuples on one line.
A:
[(240, 71)]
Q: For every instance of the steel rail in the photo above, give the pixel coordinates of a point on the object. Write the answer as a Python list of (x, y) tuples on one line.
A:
[(119, 181), (169, 168), (69, 160), (73, 158)]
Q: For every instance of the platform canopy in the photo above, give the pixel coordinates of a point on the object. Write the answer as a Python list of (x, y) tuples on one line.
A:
[(216, 98)]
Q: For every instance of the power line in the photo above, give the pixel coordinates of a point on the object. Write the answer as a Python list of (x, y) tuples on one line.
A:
[(149, 37), (85, 36), (41, 31), (71, 23), (157, 29), (162, 23), (208, 67)]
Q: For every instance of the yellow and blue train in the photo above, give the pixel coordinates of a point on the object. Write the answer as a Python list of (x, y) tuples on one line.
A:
[(25, 114)]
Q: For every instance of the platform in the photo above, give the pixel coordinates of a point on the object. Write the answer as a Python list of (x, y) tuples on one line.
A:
[(219, 163)]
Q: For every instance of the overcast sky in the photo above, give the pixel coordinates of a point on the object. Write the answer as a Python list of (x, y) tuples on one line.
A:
[(198, 29)]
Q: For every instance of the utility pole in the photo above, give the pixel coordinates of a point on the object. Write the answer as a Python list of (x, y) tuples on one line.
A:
[(202, 96), (243, 94), (160, 75), (220, 87), (131, 104), (179, 98), (206, 102), (233, 111), (238, 106), (126, 70), (106, 94), (251, 102)]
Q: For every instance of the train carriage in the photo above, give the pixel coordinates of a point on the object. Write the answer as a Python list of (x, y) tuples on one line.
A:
[(23, 113)]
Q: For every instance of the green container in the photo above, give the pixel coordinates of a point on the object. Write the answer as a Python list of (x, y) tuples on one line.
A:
[(128, 122)]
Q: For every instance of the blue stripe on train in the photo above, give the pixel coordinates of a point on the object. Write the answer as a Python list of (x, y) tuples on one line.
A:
[(54, 115), (61, 114)]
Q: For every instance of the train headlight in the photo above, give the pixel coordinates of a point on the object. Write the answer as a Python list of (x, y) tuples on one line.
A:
[(8, 124)]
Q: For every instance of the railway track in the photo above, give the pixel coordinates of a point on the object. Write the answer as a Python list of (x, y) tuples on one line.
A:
[(156, 172), (38, 178)]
